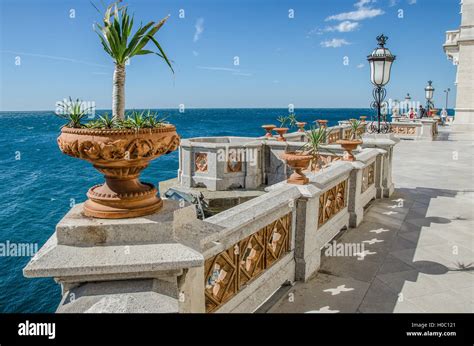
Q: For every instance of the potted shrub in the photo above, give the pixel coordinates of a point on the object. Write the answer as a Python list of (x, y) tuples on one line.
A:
[(119, 146), (297, 161), (301, 125), (282, 129), (315, 137), (354, 140), (268, 128)]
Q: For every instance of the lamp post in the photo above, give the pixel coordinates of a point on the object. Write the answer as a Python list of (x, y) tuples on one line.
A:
[(429, 91), (447, 93), (380, 62), (407, 102)]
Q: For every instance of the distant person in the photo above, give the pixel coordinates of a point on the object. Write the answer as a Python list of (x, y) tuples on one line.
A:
[(444, 116), (411, 114), (421, 112)]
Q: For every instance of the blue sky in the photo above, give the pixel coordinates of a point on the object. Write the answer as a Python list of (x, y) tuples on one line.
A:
[(282, 60)]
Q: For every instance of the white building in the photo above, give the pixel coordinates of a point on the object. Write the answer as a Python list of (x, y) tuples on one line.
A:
[(459, 48)]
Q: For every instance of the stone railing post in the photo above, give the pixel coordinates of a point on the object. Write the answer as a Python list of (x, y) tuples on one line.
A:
[(387, 143), (145, 264)]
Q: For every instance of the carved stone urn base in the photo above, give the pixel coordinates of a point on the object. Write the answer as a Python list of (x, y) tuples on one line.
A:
[(126, 198), (120, 155), (348, 145), (298, 162)]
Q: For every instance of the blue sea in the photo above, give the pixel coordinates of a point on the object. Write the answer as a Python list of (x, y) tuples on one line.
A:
[(39, 183)]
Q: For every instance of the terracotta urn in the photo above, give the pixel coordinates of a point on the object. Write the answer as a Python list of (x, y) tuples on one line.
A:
[(269, 129), (363, 118), (348, 145), (120, 155), (297, 162), (281, 131), (301, 125), (322, 123)]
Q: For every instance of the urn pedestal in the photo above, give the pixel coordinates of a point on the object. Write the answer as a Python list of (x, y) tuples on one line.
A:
[(298, 162), (348, 145)]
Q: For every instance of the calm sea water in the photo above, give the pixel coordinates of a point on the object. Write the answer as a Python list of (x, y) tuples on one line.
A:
[(39, 183)]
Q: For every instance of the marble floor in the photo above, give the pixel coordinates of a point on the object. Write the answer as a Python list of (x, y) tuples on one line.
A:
[(418, 244)]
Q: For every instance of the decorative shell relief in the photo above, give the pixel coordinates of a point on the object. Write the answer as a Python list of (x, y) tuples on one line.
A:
[(120, 149)]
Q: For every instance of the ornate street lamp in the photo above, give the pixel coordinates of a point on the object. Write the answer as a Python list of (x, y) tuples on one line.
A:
[(429, 91), (447, 94), (380, 62), (407, 102)]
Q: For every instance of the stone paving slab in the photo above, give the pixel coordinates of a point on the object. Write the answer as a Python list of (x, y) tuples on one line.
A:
[(420, 241)]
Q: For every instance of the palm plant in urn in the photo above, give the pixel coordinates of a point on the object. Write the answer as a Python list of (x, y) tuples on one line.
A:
[(356, 126), (119, 146), (299, 160)]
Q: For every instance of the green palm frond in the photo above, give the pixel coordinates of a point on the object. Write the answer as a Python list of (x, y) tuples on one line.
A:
[(355, 127), (115, 34)]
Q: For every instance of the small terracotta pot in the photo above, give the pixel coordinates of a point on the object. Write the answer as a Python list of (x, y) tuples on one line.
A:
[(297, 162), (363, 118), (120, 155), (301, 125), (281, 131), (269, 129), (348, 145), (322, 123)]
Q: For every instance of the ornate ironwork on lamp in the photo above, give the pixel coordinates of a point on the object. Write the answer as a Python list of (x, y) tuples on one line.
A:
[(429, 91), (380, 61)]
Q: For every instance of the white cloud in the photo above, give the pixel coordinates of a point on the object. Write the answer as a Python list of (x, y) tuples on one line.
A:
[(216, 68), (393, 3), (362, 3), (53, 57), (411, 2), (246, 74), (334, 43), (364, 11), (195, 53), (345, 26), (199, 29), (360, 66), (235, 71)]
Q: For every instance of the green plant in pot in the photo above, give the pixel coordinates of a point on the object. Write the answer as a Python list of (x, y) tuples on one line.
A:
[(286, 123), (121, 146), (353, 142), (316, 137)]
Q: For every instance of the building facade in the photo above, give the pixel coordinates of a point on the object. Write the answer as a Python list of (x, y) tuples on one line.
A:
[(459, 48)]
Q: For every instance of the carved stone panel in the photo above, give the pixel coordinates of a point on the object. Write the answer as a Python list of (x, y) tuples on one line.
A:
[(252, 256), (200, 162), (277, 240), (332, 202), (333, 137), (229, 271), (404, 130), (221, 274), (368, 177), (234, 161)]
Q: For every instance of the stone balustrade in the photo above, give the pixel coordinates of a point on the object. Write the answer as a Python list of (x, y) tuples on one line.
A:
[(419, 129), (230, 262)]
